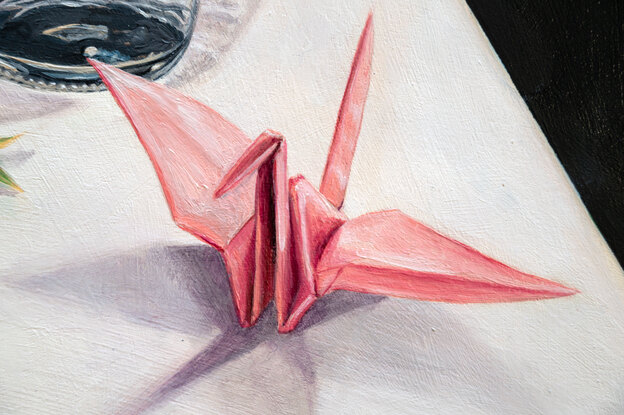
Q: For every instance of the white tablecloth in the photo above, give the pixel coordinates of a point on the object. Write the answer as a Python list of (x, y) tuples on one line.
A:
[(107, 307)]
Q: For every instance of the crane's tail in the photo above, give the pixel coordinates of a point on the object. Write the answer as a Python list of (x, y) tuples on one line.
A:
[(338, 165)]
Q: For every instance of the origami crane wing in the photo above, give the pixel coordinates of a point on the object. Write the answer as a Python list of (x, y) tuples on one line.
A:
[(389, 253), (191, 147)]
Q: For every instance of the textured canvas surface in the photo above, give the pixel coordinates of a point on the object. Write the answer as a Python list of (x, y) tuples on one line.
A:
[(106, 306)]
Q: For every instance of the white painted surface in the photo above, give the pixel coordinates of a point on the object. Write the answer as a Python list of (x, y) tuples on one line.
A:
[(102, 298)]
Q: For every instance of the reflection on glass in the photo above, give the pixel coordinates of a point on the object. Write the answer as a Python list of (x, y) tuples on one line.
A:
[(44, 43)]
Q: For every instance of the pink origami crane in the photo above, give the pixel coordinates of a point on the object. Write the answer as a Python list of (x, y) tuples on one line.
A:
[(282, 239)]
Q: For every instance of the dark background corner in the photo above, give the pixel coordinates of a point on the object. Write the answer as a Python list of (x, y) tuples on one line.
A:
[(565, 58)]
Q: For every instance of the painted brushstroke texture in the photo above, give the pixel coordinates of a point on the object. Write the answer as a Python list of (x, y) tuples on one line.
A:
[(288, 240)]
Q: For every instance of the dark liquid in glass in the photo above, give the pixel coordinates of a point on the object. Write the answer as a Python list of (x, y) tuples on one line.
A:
[(48, 44)]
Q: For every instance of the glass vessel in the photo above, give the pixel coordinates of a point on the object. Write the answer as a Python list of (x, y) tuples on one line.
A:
[(44, 43)]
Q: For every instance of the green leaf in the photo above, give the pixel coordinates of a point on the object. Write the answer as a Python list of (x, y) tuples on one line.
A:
[(6, 179), (5, 141)]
